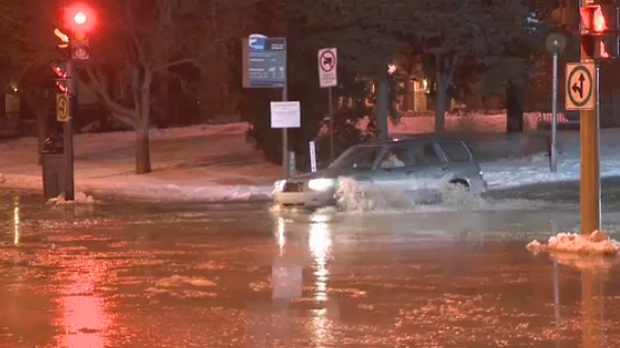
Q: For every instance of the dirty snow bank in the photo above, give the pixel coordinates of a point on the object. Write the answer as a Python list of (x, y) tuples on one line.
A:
[(597, 243), (80, 197)]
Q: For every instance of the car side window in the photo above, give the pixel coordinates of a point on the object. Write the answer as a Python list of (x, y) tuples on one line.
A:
[(395, 157), (455, 151), (423, 154)]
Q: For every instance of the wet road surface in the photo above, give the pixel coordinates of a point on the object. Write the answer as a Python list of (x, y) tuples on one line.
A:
[(135, 275)]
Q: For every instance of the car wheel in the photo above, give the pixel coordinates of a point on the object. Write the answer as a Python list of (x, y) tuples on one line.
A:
[(459, 184), (456, 191)]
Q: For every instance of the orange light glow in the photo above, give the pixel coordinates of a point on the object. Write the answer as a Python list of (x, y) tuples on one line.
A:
[(603, 51), (600, 24), (84, 318)]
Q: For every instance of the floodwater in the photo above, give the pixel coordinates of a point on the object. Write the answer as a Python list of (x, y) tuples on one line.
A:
[(143, 275)]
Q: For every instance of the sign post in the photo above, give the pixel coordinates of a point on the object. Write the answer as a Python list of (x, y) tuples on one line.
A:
[(328, 78), (264, 66), (65, 109), (312, 148), (582, 93), (556, 43)]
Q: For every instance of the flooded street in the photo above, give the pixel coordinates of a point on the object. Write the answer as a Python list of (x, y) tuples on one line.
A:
[(242, 275)]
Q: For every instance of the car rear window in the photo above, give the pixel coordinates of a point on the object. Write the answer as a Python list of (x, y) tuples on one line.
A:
[(455, 151)]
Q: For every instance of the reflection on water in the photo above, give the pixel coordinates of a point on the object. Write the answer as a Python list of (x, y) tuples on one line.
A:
[(592, 309), (380, 282), (84, 318), (281, 228), (319, 243), (286, 275), (16, 222)]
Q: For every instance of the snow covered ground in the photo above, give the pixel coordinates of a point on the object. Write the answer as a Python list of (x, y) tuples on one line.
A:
[(207, 162), (214, 162)]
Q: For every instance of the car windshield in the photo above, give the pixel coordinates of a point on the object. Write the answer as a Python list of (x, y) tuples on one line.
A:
[(358, 157)]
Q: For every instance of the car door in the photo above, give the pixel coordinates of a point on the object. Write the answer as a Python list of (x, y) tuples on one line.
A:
[(459, 158), (392, 179), (427, 171)]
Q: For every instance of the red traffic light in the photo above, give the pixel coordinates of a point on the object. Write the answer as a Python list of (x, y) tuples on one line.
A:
[(80, 17), (598, 19)]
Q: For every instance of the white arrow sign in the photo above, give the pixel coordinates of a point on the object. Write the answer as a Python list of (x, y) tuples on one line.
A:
[(328, 63)]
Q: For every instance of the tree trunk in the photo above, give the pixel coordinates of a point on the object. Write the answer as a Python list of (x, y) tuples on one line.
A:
[(143, 151), (441, 96), (407, 93), (382, 107), (515, 105)]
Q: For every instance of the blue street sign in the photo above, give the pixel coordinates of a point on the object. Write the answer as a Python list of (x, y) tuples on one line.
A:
[(264, 62)]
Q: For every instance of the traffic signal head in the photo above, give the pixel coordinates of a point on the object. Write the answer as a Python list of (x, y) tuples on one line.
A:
[(80, 46), (60, 70), (81, 20), (599, 19), (63, 45), (80, 17), (601, 47)]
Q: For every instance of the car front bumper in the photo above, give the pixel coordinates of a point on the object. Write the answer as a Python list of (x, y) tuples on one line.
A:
[(478, 186), (309, 199)]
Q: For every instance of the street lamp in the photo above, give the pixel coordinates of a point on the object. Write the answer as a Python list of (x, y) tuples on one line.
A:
[(556, 43)]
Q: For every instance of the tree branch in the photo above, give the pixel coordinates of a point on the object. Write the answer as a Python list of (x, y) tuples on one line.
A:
[(173, 63), (140, 56), (118, 111)]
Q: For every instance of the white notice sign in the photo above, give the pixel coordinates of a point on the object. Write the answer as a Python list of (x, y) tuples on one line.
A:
[(285, 114)]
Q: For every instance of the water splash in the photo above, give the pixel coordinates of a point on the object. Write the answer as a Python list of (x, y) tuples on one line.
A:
[(354, 196)]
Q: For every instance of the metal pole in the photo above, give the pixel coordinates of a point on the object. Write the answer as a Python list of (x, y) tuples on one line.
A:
[(590, 189), (68, 133), (330, 111), (554, 120), (590, 184), (285, 163)]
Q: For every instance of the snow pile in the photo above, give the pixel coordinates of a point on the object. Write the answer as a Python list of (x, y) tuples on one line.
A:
[(80, 197), (597, 243)]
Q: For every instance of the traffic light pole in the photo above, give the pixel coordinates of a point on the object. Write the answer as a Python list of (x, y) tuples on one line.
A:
[(68, 133), (590, 185)]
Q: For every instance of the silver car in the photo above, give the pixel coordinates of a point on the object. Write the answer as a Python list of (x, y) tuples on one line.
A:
[(422, 167)]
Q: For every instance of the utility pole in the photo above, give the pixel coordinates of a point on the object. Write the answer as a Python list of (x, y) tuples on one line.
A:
[(599, 40), (80, 20), (68, 134)]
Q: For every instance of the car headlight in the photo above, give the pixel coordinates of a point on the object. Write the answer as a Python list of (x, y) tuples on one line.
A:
[(278, 186), (321, 184)]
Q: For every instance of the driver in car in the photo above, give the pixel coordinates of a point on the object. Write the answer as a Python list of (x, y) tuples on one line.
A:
[(392, 161)]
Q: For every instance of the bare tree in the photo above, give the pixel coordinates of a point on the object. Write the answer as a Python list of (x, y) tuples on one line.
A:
[(456, 35), (27, 49), (149, 38)]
